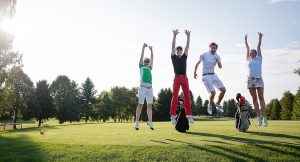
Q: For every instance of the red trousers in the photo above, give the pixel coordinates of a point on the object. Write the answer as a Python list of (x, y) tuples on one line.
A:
[(184, 83)]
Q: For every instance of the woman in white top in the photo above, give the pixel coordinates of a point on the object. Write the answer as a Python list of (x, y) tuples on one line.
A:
[(255, 82)]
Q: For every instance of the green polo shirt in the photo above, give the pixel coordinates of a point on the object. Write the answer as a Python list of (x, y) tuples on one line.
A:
[(145, 73)]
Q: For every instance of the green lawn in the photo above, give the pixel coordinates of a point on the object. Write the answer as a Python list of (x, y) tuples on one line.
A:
[(207, 140)]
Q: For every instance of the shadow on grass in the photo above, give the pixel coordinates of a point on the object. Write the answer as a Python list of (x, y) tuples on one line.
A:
[(275, 135), (281, 147), (160, 142), (20, 149), (209, 150)]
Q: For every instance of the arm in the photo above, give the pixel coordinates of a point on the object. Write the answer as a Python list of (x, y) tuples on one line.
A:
[(247, 46), (219, 63), (195, 71), (151, 63), (186, 49), (259, 44), (175, 32), (142, 54)]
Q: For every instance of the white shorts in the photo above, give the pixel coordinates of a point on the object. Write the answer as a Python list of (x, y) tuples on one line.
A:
[(210, 81), (145, 92)]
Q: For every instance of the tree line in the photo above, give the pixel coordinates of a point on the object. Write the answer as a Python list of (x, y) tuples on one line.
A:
[(287, 108)]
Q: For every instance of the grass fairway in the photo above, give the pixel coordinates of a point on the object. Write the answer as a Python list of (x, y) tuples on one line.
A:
[(207, 140)]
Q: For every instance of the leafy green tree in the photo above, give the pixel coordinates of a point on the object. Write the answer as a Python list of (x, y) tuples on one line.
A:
[(296, 106), (20, 89), (102, 110), (287, 105), (66, 99), (121, 104), (45, 108), (88, 97), (8, 58), (162, 105), (276, 109)]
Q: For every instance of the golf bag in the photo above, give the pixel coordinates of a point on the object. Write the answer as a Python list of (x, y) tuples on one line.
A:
[(182, 123), (242, 122)]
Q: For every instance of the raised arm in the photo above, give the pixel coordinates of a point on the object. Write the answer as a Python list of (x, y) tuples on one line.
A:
[(186, 49), (259, 44), (175, 32), (142, 54), (195, 71), (247, 46), (151, 62)]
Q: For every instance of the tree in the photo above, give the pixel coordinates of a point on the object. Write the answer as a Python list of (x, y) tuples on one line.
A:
[(7, 57), (276, 109), (45, 108), (162, 105), (230, 108), (199, 106), (88, 97), (195, 111), (287, 105), (296, 106), (269, 107), (66, 100), (19, 88), (102, 110), (121, 104)]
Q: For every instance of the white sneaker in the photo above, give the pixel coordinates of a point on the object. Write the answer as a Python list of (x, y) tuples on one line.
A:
[(259, 120), (219, 108), (150, 124), (265, 121), (173, 119), (190, 118), (209, 110), (136, 126)]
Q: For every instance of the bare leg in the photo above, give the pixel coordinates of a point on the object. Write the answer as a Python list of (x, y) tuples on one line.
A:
[(260, 92), (211, 97), (149, 112), (221, 95), (254, 99), (138, 112)]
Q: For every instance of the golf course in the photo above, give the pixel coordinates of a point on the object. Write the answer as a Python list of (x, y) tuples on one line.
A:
[(207, 140)]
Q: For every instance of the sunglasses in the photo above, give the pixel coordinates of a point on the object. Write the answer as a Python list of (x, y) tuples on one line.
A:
[(147, 61)]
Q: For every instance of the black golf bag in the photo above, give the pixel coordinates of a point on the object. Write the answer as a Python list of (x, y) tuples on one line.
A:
[(182, 123)]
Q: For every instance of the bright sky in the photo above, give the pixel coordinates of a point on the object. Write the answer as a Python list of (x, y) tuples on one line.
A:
[(102, 39)]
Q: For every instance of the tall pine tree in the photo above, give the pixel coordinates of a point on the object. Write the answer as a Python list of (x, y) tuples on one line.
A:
[(45, 108), (276, 109), (88, 98), (287, 105)]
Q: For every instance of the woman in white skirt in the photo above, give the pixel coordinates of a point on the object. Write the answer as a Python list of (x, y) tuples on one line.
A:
[(255, 82)]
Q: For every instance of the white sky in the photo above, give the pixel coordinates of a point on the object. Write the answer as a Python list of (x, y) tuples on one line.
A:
[(102, 39)]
